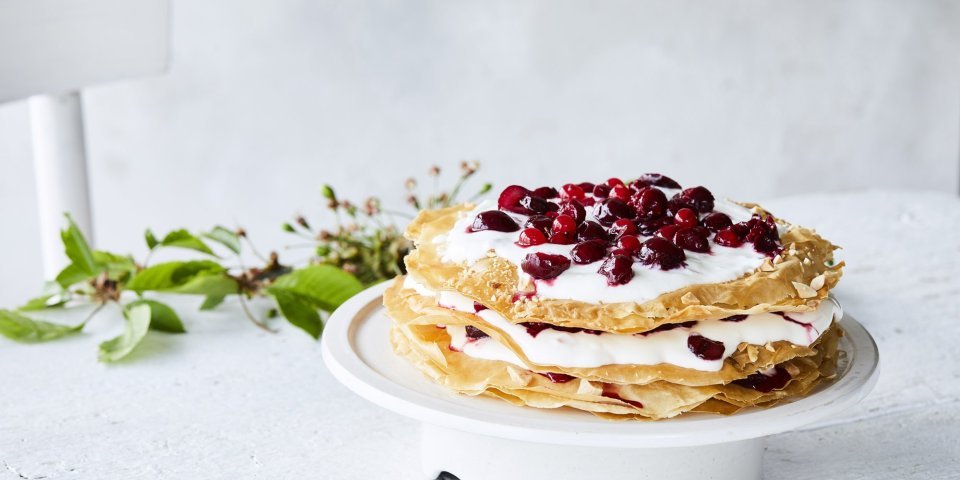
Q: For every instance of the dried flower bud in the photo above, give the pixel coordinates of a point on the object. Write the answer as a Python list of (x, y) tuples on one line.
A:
[(302, 222), (350, 208), (412, 200), (333, 204), (469, 168), (324, 236), (434, 171), (241, 233), (350, 268), (410, 183), (371, 206)]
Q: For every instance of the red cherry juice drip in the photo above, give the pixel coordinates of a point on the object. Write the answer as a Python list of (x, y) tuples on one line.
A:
[(534, 328), (669, 326), (557, 377), (610, 392), (766, 383), (812, 333)]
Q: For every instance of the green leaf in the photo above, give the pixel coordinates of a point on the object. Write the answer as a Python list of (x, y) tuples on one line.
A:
[(77, 249), (20, 328), (210, 285), (224, 237), (184, 239), (325, 286), (172, 275), (117, 267), (212, 301), (151, 239), (298, 311), (43, 302), (71, 275), (162, 317), (327, 192), (136, 326)]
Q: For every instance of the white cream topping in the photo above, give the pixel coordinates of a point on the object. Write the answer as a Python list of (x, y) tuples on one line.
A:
[(586, 350), (582, 282)]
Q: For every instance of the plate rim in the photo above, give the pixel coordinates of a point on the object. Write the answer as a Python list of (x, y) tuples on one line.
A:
[(350, 369)]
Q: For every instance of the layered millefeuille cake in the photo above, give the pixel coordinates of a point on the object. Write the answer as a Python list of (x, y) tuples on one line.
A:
[(628, 300)]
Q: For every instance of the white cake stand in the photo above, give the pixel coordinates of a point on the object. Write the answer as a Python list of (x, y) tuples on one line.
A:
[(479, 438)]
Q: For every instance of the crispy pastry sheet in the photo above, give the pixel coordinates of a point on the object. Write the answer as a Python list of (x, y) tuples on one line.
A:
[(427, 348), (415, 312), (493, 282)]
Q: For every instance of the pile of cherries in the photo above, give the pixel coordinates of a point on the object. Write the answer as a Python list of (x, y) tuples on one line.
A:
[(623, 213)]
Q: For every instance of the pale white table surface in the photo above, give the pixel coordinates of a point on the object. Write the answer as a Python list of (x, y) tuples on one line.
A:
[(230, 401)]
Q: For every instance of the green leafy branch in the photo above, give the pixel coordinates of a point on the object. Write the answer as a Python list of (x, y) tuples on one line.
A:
[(366, 247), (102, 278)]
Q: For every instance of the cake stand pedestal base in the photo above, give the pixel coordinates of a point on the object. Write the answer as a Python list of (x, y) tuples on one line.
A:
[(470, 456)]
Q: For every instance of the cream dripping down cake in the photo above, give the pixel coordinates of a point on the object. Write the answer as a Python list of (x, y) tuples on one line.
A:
[(629, 300)]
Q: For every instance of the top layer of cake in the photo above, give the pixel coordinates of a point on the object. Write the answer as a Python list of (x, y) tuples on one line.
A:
[(620, 257)]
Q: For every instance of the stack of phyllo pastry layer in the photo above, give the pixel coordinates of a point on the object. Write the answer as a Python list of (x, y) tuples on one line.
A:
[(626, 300)]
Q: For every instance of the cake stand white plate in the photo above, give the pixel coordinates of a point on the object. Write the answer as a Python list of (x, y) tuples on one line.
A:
[(479, 438)]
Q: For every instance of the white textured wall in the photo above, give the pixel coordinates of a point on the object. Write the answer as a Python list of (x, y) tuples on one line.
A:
[(267, 100)]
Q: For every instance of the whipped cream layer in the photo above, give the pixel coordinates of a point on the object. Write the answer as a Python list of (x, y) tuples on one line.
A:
[(581, 282), (588, 350)]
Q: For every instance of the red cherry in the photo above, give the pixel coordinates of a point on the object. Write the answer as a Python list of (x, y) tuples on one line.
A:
[(564, 224), (613, 182), (586, 186), (493, 220), (716, 221), (563, 238), (677, 203), (588, 252), (540, 222), (650, 227), (546, 192), (591, 230), (544, 266), (611, 209), (573, 209), (650, 203), (510, 197), (656, 180), (662, 253), (618, 269), (686, 218), (530, 237), (621, 192), (628, 243), (701, 198), (691, 239), (601, 190), (668, 231), (573, 191), (517, 199), (623, 227), (728, 238)]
